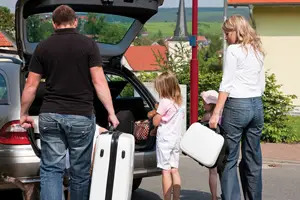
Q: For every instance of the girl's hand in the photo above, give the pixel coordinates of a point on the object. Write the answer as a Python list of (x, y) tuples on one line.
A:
[(213, 122), (151, 114), (102, 130)]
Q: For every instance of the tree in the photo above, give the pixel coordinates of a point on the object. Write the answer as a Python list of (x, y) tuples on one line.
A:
[(103, 31), (7, 21), (277, 105), (38, 28)]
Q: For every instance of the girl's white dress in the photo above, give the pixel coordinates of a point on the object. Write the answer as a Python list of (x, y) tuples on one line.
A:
[(169, 134)]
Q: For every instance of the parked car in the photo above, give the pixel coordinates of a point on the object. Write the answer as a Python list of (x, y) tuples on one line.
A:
[(122, 20)]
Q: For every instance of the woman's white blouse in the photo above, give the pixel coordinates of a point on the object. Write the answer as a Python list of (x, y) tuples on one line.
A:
[(243, 72)]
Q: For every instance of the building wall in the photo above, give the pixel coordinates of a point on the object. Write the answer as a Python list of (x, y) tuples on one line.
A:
[(279, 28)]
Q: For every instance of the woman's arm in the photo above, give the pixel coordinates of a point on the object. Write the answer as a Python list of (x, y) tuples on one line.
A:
[(218, 109), (226, 85)]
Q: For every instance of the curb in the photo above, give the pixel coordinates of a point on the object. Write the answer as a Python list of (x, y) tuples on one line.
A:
[(278, 161)]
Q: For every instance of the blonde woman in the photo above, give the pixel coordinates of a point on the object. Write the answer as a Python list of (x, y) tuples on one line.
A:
[(168, 118), (240, 93)]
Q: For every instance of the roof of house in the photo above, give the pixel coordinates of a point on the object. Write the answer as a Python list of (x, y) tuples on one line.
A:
[(142, 58), (4, 42), (201, 38), (262, 2)]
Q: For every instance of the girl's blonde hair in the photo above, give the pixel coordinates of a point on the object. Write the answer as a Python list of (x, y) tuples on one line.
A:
[(167, 86), (244, 32)]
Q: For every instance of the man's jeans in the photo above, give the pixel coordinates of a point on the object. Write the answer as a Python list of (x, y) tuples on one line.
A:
[(243, 120), (59, 133)]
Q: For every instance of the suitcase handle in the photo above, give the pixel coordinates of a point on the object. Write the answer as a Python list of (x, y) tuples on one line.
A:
[(32, 138), (111, 128), (220, 130)]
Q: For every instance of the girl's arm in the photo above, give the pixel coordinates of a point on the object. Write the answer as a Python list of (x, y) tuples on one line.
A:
[(156, 119)]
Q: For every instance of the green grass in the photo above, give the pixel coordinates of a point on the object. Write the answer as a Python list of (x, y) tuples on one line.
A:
[(167, 28), (295, 124)]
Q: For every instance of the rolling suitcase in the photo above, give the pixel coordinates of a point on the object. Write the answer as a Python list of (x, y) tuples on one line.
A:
[(112, 173), (205, 145)]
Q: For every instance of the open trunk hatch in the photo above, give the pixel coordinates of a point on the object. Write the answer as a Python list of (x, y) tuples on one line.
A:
[(33, 18)]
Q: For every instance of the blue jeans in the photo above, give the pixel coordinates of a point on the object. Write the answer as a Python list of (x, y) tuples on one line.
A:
[(243, 120), (59, 133)]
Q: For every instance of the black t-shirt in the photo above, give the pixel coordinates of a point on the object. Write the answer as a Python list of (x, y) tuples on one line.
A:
[(65, 59)]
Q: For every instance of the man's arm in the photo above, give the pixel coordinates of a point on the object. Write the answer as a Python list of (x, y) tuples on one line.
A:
[(32, 83), (103, 93)]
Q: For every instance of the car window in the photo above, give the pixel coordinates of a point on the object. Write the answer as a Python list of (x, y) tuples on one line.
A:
[(3, 90), (125, 89), (104, 28)]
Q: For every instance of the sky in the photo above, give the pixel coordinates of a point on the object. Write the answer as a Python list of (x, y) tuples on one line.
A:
[(167, 3)]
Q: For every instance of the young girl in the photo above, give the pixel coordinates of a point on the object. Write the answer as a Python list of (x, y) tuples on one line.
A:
[(209, 99), (168, 117)]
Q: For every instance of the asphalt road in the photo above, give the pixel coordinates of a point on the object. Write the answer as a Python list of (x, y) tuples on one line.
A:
[(280, 182)]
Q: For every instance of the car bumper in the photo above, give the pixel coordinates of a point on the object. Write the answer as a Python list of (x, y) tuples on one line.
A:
[(18, 162)]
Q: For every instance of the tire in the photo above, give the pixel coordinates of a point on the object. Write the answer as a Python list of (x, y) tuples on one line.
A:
[(136, 183)]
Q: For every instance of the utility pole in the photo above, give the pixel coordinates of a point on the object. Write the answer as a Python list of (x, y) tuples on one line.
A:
[(194, 72)]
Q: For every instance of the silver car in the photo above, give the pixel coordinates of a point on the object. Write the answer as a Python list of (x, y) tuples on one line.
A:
[(122, 20)]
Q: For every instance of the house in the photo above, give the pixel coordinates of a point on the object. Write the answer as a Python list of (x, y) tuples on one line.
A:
[(144, 58), (6, 43), (278, 24)]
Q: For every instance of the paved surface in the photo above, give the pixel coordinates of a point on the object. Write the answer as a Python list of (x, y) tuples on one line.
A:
[(281, 177), (280, 182)]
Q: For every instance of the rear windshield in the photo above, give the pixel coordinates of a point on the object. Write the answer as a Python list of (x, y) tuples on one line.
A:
[(104, 28)]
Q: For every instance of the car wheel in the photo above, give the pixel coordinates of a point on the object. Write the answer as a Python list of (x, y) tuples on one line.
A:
[(136, 183)]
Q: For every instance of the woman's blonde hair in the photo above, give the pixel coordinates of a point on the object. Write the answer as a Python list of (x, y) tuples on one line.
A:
[(244, 32), (167, 86)]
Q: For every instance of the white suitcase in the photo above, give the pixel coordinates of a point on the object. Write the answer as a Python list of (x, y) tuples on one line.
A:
[(112, 174), (202, 144)]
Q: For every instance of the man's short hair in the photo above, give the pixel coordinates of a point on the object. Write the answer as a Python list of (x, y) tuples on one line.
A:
[(63, 15)]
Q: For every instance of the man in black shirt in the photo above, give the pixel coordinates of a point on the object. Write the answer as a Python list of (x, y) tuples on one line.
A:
[(71, 64)]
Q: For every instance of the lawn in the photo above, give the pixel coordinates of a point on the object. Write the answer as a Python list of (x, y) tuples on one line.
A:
[(295, 124), (167, 28)]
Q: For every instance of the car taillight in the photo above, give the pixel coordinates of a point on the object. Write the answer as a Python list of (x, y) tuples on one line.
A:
[(14, 134)]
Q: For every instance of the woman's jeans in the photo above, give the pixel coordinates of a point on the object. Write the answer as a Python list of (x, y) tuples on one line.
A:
[(243, 120), (58, 133)]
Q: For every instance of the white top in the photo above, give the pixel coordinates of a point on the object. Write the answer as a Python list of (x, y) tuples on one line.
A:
[(170, 128), (243, 72)]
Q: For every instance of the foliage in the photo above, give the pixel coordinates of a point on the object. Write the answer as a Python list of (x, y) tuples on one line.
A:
[(276, 104), (38, 29), (148, 40), (178, 61), (7, 21), (294, 123), (147, 76), (103, 31), (276, 107)]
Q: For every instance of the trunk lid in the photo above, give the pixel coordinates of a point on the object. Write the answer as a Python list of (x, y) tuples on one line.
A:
[(114, 24)]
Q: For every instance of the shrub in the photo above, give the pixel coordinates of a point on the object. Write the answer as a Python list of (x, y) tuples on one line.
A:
[(276, 108), (277, 105)]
